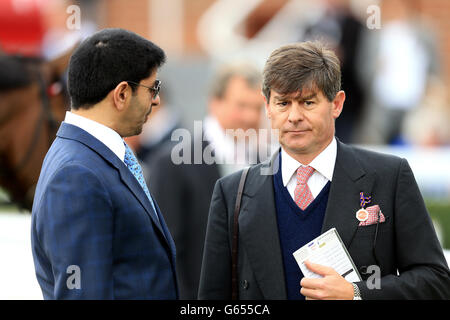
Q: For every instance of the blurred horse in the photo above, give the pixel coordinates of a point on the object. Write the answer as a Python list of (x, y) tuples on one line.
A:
[(33, 102)]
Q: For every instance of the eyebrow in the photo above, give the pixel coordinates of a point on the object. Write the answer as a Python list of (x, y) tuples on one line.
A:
[(296, 97)]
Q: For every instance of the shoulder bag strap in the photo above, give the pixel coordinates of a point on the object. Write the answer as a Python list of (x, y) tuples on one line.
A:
[(234, 250)]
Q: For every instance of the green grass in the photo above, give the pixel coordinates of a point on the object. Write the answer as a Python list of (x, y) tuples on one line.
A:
[(440, 212)]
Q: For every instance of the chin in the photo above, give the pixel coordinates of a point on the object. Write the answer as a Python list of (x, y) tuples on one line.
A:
[(134, 131), (138, 131), (295, 146), (296, 142)]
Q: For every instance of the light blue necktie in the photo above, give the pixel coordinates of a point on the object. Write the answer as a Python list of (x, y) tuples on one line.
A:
[(133, 165)]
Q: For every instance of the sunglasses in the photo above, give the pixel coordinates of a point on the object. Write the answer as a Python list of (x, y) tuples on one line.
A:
[(154, 91)]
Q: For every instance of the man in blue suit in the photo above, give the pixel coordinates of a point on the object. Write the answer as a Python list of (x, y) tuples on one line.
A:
[(96, 231)]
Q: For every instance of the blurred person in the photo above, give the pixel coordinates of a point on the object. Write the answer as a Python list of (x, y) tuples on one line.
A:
[(234, 105), (433, 115), (397, 64), (342, 30), (96, 231), (317, 183), (184, 190)]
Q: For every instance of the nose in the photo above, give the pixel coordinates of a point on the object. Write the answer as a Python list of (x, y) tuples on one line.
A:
[(156, 100), (295, 113)]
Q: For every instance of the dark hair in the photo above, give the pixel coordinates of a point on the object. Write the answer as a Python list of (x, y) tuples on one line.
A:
[(105, 59), (294, 67)]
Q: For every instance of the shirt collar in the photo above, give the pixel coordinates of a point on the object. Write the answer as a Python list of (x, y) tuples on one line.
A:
[(222, 145), (323, 163), (106, 135)]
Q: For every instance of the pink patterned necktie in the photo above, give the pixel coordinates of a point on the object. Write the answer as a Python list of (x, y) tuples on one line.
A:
[(302, 193)]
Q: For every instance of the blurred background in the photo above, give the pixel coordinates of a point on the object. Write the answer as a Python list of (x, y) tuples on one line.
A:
[(395, 57)]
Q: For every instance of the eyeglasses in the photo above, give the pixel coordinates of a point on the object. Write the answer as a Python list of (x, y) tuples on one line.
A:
[(153, 91)]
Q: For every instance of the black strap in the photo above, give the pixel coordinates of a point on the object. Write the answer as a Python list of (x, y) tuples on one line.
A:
[(234, 250)]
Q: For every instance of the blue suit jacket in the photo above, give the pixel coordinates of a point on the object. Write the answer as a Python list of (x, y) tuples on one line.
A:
[(90, 212)]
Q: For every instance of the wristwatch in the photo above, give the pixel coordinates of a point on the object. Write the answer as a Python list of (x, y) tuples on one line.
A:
[(356, 293)]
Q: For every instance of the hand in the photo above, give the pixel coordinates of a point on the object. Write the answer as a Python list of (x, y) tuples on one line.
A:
[(331, 287)]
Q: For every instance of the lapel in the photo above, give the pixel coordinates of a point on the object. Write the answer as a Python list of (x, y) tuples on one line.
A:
[(258, 230), (258, 227), (349, 179), (72, 132)]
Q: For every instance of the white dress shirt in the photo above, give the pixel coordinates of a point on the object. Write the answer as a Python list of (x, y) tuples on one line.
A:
[(229, 155), (323, 165), (107, 136)]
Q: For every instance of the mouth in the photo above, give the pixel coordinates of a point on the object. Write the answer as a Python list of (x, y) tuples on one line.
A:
[(147, 114), (297, 131)]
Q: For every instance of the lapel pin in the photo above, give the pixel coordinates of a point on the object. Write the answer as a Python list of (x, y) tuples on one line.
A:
[(362, 214)]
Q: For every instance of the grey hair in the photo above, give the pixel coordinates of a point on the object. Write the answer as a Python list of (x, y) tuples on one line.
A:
[(228, 71)]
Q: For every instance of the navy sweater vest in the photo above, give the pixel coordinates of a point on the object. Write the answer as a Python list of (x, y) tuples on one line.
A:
[(296, 228)]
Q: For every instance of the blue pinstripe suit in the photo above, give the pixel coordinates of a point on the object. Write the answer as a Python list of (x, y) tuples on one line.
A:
[(91, 212)]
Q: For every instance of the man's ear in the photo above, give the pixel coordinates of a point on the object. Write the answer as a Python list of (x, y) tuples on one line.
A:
[(121, 95), (338, 104)]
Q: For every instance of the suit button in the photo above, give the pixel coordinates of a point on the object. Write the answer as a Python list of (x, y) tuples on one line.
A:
[(245, 284)]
